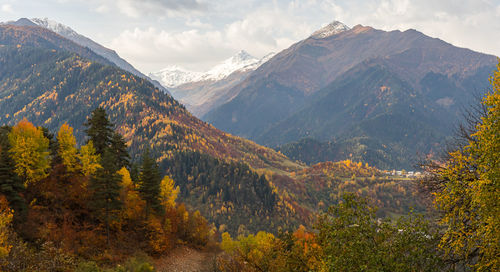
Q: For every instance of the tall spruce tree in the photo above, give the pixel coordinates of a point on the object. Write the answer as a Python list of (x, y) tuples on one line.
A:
[(100, 130), (149, 183), (105, 187), (134, 172), (119, 149), (10, 184)]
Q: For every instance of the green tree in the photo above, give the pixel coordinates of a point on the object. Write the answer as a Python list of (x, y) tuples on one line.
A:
[(149, 183), (100, 130), (119, 149), (353, 239), (10, 184), (106, 188)]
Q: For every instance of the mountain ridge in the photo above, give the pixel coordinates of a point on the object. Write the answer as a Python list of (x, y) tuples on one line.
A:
[(202, 91), (435, 71), (84, 41)]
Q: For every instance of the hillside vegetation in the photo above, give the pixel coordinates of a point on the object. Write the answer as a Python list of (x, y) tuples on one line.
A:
[(233, 182)]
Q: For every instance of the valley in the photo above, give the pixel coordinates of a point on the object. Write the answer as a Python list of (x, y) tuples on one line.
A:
[(353, 148)]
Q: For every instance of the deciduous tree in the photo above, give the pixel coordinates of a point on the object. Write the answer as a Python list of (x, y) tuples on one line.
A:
[(30, 151), (467, 189), (67, 148)]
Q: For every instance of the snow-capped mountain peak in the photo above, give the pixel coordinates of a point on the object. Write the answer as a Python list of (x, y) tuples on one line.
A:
[(173, 76), (331, 29), (241, 56), (242, 61), (55, 26)]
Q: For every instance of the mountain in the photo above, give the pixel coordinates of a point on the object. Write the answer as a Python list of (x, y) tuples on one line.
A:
[(331, 29), (342, 84), (43, 78), (72, 35), (234, 182), (203, 91)]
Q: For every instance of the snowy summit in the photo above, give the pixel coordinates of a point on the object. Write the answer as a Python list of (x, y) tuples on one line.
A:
[(331, 29), (174, 76), (55, 26)]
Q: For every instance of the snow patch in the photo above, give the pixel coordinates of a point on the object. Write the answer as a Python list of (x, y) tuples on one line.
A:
[(174, 76), (331, 29)]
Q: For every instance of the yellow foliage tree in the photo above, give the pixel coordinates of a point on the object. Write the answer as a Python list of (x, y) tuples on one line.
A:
[(89, 159), (133, 205), (169, 192), (67, 148), (255, 250), (471, 191), (30, 151)]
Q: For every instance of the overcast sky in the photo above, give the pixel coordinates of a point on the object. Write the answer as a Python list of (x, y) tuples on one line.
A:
[(197, 34)]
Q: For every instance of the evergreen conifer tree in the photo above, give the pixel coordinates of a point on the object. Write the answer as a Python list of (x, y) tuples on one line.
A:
[(105, 187), (10, 184), (100, 130), (119, 149), (134, 172), (149, 183)]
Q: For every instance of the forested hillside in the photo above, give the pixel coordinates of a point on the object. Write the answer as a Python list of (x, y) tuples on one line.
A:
[(229, 179), (81, 206)]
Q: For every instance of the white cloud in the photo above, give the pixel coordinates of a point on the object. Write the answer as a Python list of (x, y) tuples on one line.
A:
[(206, 34), (196, 23), (138, 8), (259, 32), (7, 8), (102, 9)]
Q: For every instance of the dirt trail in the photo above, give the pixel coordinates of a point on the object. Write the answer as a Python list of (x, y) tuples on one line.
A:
[(185, 259)]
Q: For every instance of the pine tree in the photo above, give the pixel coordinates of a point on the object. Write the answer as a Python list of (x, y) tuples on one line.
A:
[(106, 188), (134, 172), (119, 149), (10, 184), (149, 183), (100, 130)]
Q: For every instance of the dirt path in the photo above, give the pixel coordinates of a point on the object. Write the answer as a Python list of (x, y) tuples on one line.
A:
[(185, 259)]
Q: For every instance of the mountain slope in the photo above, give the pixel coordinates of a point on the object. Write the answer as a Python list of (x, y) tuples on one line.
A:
[(83, 41), (203, 91), (51, 87), (359, 83), (311, 64), (234, 182), (35, 36), (370, 101), (104, 86)]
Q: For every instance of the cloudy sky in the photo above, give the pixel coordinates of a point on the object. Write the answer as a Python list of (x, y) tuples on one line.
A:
[(197, 34)]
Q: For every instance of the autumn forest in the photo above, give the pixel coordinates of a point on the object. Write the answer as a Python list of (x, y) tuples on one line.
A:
[(102, 169)]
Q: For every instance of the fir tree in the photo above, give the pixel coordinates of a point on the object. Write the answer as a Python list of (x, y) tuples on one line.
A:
[(149, 183), (106, 188), (10, 184), (119, 149), (134, 172), (100, 130)]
